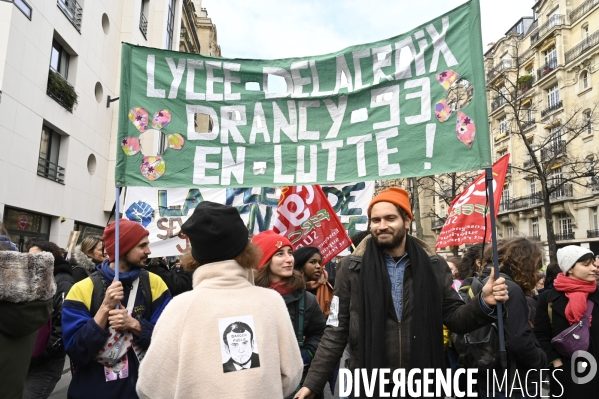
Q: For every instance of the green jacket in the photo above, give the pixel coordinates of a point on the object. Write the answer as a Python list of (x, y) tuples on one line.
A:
[(19, 323)]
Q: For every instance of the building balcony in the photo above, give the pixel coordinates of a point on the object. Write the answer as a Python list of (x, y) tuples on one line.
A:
[(564, 192), (143, 25), (437, 224), (535, 238), (50, 170), (73, 11), (593, 233), (525, 84), (526, 55), (552, 108), (61, 91), (564, 236), (527, 124), (553, 22), (582, 47), (529, 163), (546, 69), (553, 151), (528, 201), (581, 10), (497, 103), (497, 69), (502, 136)]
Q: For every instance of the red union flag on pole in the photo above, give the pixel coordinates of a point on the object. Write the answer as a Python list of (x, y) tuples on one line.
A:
[(466, 221), (306, 217)]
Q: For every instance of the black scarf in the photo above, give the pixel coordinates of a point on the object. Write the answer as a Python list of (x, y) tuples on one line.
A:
[(426, 340)]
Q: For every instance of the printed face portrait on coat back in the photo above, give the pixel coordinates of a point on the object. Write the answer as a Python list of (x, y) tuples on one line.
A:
[(238, 346)]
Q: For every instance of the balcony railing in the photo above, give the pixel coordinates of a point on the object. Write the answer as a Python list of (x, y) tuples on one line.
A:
[(528, 201), (437, 224), (593, 233), (553, 22), (555, 149), (552, 108), (73, 11), (143, 24), (526, 85), (565, 191), (497, 69), (564, 236), (526, 56), (582, 47), (61, 91), (535, 238), (50, 170), (526, 124), (528, 163), (547, 68), (498, 102), (582, 9)]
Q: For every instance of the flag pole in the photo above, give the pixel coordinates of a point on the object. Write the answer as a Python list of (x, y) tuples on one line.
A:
[(499, 306), (117, 236)]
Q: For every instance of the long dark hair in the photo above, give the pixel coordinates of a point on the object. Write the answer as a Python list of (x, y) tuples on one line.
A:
[(293, 282), (302, 255)]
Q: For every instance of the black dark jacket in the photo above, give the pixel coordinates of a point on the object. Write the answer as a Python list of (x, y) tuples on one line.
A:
[(314, 321), (458, 316), (523, 350), (545, 330), (63, 276), (177, 280)]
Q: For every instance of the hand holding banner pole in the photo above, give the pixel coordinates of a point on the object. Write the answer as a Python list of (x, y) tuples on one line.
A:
[(117, 234), (499, 305)]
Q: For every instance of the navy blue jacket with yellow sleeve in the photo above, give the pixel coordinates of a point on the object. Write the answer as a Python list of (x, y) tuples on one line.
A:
[(83, 337)]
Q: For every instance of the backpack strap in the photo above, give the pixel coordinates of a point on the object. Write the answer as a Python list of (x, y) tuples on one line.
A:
[(146, 290), (299, 320), (98, 293)]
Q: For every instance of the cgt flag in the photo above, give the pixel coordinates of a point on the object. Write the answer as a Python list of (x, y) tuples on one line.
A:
[(466, 221), (306, 218)]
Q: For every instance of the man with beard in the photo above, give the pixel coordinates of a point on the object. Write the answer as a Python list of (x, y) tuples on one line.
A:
[(104, 342), (392, 297)]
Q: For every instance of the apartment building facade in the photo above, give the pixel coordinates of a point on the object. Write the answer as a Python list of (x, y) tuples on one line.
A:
[(59, 78), (543, 91)]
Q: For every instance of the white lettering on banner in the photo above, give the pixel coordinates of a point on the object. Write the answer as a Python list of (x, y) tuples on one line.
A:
[(231, 117), (378, 64), (316, 82), (151, 91), (177, 72), (440, 47), (425, 100), (259, 125), (343, 77), (190, 93), (200, 164), (333, 319), (229, 67), (298, 81), (287, 126), (192, 111), (211, 80), (357, 56), (360, 141), (304, 133), (282, 72)]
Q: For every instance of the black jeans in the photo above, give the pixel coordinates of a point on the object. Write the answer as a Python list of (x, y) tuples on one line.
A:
[(42, 377)]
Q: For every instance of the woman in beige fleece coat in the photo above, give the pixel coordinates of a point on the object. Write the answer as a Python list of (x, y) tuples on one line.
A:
[(226, 338)]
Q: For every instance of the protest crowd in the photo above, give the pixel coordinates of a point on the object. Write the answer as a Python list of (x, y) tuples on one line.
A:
[(243, 316)]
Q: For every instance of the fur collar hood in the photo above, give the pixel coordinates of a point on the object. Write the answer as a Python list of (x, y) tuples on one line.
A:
[(83, 260), (26, 277)]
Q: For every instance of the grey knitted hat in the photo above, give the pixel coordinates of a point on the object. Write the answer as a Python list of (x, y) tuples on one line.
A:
[(567, 256)]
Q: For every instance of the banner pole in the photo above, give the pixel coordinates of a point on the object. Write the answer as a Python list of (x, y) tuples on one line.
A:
[(499, 306), (117, 236)]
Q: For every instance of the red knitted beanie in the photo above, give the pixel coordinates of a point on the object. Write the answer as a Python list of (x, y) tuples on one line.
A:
[(130, 234), (269, 242)]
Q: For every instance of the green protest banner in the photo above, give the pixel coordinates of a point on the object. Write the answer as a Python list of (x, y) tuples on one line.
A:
[(411, 105)]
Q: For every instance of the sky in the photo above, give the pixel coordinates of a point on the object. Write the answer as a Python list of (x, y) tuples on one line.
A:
[(267, 29)]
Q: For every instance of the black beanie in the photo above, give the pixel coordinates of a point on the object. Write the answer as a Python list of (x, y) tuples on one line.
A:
[(302, 255), (216, 232)]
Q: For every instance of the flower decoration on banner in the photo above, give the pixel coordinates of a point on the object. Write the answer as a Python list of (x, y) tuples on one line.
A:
[(152, 167), (460, 93)]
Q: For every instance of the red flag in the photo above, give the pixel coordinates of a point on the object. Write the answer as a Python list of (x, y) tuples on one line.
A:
[(466, 221), (307, 219)]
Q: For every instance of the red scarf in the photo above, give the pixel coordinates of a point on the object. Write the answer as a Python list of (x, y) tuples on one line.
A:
[(280, 287), (577, 291)]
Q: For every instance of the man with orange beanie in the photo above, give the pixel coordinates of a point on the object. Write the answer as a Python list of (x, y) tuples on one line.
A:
[(392, 297), (106, 344)]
